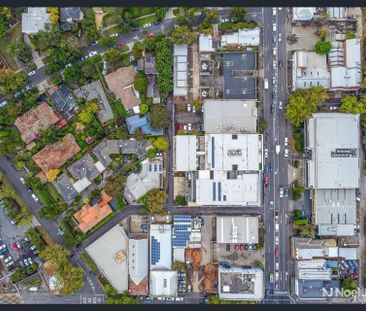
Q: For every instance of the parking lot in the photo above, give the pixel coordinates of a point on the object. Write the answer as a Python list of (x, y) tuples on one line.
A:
[(238, 254)]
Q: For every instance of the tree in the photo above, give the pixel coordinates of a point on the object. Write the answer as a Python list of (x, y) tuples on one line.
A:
[(124, 299), (350, 35), (28, 99), (24, 217), (141, 83), (116, 54), (183, 35), (212, 16), (297, 214), (73, 74), (158, 117), (89, 27), (160, 14), (296, 192), (144, 109), (303, 103), (180, 200), (109, 290), (307, 232), (164, 64), (323, 33), (349, 284), (137, 50), (105, 41), (115, 184), (35, 238), (351, 104), (11, 82), (323, 47), (5, 16), (22, 51), (88, 71), (151, 153), (238, 14), (54, 15), (262, 125), (206, 28), (155, 200), (9, 141), (52, 174), (161, 143)]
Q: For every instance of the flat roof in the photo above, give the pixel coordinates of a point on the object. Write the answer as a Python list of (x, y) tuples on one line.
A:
[(228, 152), (243, 37), (243, 190), (237, 229), (230, 116), (308, 289), (185, 153), (110, 254), (180, 70), (303, 13), (163, 283), (333, 139), (237, 283), (239, 82), (160, 247), (335, 206), (206, 43)]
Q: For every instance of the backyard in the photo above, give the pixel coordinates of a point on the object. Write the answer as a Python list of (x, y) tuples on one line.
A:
[(6, 43)]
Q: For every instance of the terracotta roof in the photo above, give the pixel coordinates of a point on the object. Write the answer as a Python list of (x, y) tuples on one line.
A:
[(34, 120), (54, 155), (121, 83), (88, 216)]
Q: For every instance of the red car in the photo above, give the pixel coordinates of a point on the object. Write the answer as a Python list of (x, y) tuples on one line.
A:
[(121, 43), (236, 247), (266, 181), (277, 252), (354, 276), (276, 215), (150, 34), (14, 246), (241, 247)]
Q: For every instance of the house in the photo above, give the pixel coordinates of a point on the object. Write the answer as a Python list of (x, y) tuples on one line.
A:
[(95, 91), (35, 20), (55, 155), (138, 263), (136, 122), (64, 185), (35, 120), (309, 69), (65, 102), (150, 177), (180, 74), (205, 44), (240, 283), (70, 16), (89, 216), (150, 64), (243, 37), (238, 71), (121, 84), (110, 254), (303, 14), (237, 229)]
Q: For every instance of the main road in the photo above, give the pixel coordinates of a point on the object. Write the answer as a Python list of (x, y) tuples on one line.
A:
[(276, 238)]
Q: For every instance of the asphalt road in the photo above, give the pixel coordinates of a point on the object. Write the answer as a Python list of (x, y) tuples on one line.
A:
[(274, 135)]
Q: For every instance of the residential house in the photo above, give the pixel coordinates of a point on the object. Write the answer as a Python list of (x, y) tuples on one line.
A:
[(95, 91), (89, 216), (243, 37), (64, 185), (138, 264), (151, 75), (35, 20), (206, 44), (35, 120), (121, 84), (136, 122), (65, 102), (70, 17)]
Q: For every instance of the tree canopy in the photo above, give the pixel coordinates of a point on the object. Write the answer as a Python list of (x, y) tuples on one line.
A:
[(351, 104), (158, 117), (161, 143), (164, 64), (155, 200), (11, 82), (183, 35), (323, 47), (303, 103), (89, 27)]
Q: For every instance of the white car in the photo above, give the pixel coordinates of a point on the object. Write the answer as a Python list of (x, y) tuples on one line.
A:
[(274, 27), (266, 153), (30, 261), (93, 53), (274, 64), (6, 260), (22, 180), (277, 227), (279, 37), (185, 127), (189, 107), (286, 141), (113, 35), (10, 263), (136, 38), (280, 105), (33, 247), (193, 109), (277, 240), (286, 153), (274, 11), (26, 262), (281, 192), (35, 198), (32, 73), (279, 9), (68, 65), (189, 127), (277, 265), (277, 275), (147, 25), (274, 51)]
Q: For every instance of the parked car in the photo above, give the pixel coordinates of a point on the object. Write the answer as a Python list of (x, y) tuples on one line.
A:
[(266, 180), (113, 35), (241, 247), (35, 198), (147, 25), (354, 276), (150, 34), (68, 65), (266, 153), (26, 263), (273, 108), (274, 11), (121, 43), (277, 252), (286, 141), (286, 153), (286, 192), (189, 126), (276, 215), (237, 247), (6, 260), (274, 27), (279, 37), (277, 240), (277, 265), (277, 275), (22, 180), (93, 53), (10, 263), (228, 247), (274, 51), (189, 107), (32, 73), (33, 247), (281, 192), (345, 263), (280, 105), (30, 260)]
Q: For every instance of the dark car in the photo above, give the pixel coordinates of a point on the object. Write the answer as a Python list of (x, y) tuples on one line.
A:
[(270, 167), (273, 108), (228, 247)]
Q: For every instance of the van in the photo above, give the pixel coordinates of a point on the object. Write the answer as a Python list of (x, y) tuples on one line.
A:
[(277, 227)]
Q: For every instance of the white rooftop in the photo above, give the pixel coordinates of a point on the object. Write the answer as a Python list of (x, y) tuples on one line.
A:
[(230, 116), (180, 70), (310, 253), (110, 254), (243, 37), (138, 259), (163, 283), (303, 13), (185, 153), (160, 247), (206, 43), (334, 143), (349, 253), (35, 20), (237, 229)]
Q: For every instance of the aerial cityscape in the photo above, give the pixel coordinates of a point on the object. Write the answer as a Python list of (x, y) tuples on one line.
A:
[(182, 155)]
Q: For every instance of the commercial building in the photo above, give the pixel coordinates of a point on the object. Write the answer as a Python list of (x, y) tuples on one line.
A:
[(237, 229), (206, 44), (138, 262), (243, 37), (163, 283), (180, 70), (185, 153), (303, 14), (237, 283), (35, 20), (109, 252)]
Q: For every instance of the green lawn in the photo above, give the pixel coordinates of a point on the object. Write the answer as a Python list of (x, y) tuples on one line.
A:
[(89, 262), (118, 109), (109, 31), (145, 20), (111, 18), (141, 11), (6, 43)]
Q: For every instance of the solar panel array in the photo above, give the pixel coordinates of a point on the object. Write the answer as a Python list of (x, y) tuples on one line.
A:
[(155, 251), (181, 230)]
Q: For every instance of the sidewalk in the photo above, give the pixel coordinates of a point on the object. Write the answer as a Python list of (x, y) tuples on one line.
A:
[(36, 58)]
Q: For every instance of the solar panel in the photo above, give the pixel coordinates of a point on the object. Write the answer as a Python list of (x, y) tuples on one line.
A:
[(155, 251), (181, 230)]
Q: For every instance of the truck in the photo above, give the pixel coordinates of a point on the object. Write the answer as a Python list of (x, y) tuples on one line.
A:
[(278, 149), (266, 84)]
